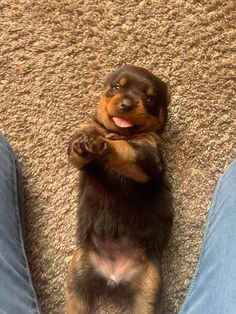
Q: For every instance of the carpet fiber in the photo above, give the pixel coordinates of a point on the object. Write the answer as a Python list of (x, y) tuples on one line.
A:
[(54, 57)]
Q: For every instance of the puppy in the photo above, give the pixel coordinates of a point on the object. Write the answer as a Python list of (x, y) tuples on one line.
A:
[(125, 209)]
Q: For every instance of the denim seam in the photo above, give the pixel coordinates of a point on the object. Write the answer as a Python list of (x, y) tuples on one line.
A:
[(14, 162), (196, 275)]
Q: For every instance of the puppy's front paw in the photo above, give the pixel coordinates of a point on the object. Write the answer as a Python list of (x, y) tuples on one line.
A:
[(87, 145)]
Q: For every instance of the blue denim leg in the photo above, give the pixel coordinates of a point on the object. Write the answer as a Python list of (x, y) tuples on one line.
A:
[(213, 289), (17, 295)]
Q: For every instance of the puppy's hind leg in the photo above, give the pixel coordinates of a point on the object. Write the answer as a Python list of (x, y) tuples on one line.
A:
[(77, 296), (76, 305), (148, 288)]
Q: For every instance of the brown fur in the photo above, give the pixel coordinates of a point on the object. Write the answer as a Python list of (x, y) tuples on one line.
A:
[(125, 212)]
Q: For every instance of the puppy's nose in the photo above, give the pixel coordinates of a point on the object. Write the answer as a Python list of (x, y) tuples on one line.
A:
[(126, 105)]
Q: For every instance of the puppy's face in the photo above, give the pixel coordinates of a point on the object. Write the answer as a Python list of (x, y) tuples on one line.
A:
[(134, 101)]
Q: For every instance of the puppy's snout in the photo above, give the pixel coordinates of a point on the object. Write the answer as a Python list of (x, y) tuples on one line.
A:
[(126, 105)]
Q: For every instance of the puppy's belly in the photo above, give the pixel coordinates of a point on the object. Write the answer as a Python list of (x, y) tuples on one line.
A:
[(117, 260)]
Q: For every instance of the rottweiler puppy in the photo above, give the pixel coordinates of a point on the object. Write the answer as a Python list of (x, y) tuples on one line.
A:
[(125, 208)]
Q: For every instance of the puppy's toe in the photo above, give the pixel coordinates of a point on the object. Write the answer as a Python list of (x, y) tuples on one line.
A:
[(99, 145), (78, 147)]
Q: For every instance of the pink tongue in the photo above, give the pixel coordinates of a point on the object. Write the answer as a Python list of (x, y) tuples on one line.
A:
[(121, 122)]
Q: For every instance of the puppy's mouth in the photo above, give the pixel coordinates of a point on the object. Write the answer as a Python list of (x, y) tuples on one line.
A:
[(122, 122)]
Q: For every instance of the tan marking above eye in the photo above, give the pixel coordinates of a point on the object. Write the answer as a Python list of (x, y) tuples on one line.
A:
[(150, 91), (123, 81)]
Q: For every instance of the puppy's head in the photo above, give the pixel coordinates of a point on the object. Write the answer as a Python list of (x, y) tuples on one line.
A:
[(134, 101)]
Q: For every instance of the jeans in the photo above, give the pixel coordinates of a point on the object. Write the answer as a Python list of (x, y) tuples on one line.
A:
[(213, 288), (17, 295)]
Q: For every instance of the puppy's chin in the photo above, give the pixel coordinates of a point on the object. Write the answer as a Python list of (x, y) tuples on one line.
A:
[(116, 123), (125, 126), (121, 122)]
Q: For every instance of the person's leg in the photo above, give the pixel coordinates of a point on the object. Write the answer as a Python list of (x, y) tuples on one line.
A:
[(17, 295), (213, 288)]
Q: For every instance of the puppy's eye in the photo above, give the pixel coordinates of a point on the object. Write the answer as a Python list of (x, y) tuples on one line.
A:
[(116, 86), (150, 100)]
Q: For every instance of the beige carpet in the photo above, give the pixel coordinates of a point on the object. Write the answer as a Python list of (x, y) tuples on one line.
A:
[(54, 56)]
